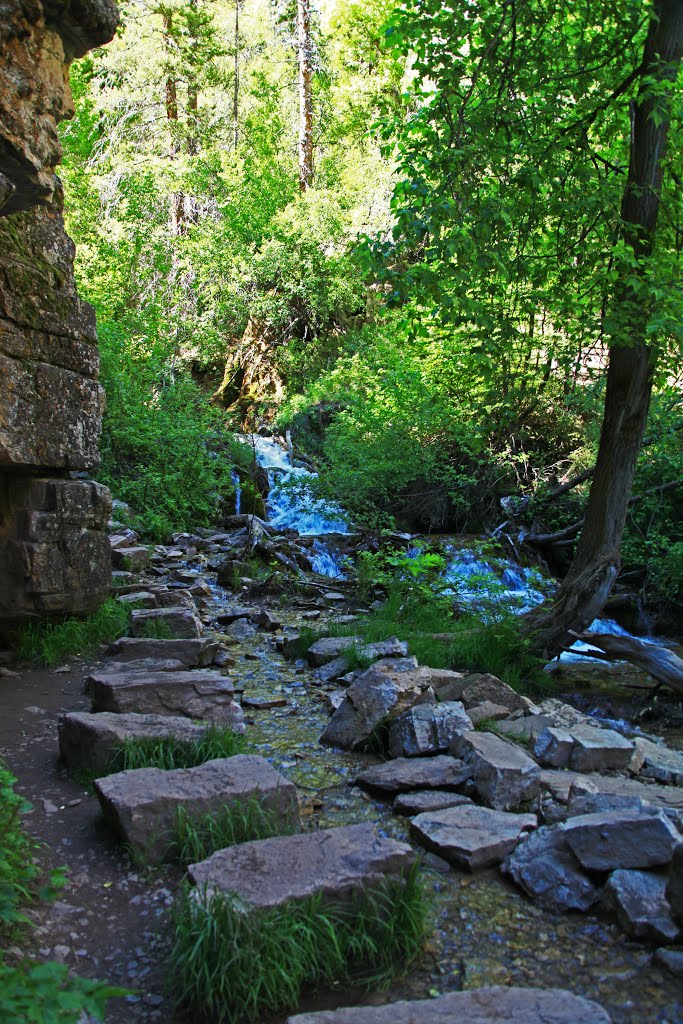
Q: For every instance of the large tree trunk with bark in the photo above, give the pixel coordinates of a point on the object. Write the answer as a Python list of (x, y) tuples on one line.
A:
[(595, 567)]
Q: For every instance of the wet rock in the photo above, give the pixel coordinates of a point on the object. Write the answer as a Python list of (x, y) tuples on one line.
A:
[(241, 629), (621, 839), (477, 1006), (674, 890), (192, 653), (638, 899), (599, 750), (504, 776), (544, 867), (265, 620), (130, 559), (427, 729), (402, 774), (141, 805), (201, 694), (428, 800), (181, 623), (88, 742), (228, 615), (331, 862), (473, 837), (657, 762)]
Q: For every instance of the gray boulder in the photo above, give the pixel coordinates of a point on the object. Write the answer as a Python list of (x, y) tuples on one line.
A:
[(621, 839), (405, 773), (200, 694), (476, 1006), (638, 899), (428, 729), (475, 688), (473, 837), (332, 863), (657, 762), (546, 869), (141, 806), (181, 622), (599, 750), (192, 653), (505, 777), (427, 800)]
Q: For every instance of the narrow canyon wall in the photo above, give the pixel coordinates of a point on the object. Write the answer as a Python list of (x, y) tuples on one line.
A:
[(54, 553)]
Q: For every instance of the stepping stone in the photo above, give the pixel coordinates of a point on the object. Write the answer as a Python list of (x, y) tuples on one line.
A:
[(638, 899), (130, 559), (200, 694), (428, 800), (660, 763), (141, 805), (621, 839), (599, 750), (192, 653), (544, 867), (473, 837), (505, 777), (182, 623), (406, 773), (331, 862), (88, 741), (428, 729), (476, 1006), (140, 598)]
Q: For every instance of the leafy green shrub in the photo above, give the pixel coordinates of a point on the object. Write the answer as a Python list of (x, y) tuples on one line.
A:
[(18, 871), (51, 643), (232, 967)]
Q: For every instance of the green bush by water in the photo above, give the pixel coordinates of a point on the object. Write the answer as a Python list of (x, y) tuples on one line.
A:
[(50, 644), (229, 967)]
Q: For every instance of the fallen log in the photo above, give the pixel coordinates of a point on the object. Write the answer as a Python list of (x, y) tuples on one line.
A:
[(659, 662)]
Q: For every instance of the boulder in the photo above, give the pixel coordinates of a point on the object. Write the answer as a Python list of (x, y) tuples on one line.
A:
[(406, 773), (241, 629), (374, 699), (427, 800), (599, 750), (201, 694), (505, 777), (553, 747), (192, 653), (658, 762), (332, 670), (330, 647), (476, 1006), (181, 623), (140, 598), (674, 889), (480, 687), (427, 729), (621, 839), (546, 869), (332, 863), (638, 900), (141, 806), (487, 712), (88, 742), (228, 615), (131, 559), (473, 837), (670, 797)]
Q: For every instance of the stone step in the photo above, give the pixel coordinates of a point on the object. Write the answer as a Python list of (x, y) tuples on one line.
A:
[(333, 862), (88, 742), (195, 653), (406, 773), (202, 694), (505, 777), (473, 837), (476, 1006), (141, 805), (181, 622)]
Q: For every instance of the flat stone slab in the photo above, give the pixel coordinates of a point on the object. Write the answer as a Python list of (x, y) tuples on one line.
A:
[(406, 773), (131, 559), (664, 796), (599, 750), (621, 839), (660, 763), (330, 647), (544, 867), (331, 862), (476, 1006), (192, 653), (89, 742), (504, 775), (181, 622), (476, 687), (141, 805), (428, 800), (638, 899), (473, 837), (201, 694)]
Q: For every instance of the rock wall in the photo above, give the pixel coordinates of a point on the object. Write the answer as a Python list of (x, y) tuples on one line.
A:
[(54, 553)]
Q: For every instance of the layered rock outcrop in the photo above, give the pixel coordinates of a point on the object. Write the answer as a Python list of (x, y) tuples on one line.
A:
[(54, 553)]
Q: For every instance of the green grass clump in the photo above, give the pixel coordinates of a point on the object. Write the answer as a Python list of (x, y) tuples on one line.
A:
[(197, 838), (230, 967), (156, 629), (18, 871), (50, 644), (171, 752)]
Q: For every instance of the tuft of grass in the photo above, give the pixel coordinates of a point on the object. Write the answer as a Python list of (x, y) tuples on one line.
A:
[(51, 644), (232, 967), (196, 839), (170, 752), (156, 629)]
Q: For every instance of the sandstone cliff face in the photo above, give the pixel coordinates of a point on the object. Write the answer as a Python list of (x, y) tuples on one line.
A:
[(54, 554)]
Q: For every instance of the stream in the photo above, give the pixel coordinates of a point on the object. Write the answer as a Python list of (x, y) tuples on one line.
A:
[(485, 931)]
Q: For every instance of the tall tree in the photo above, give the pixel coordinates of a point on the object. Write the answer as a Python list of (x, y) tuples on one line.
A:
[(305, 58), (533, 171)]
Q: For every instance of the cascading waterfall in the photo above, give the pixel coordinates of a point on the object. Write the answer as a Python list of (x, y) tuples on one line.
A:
[(238, 491)]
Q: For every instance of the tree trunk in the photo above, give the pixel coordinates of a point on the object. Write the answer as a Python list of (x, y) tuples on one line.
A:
[(303, 27), (595, 567), (236, 84)]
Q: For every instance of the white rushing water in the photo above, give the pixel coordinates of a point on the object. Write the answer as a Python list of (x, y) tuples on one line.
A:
[(292, 504)]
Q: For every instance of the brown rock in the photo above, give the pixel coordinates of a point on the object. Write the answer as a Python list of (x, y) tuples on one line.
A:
[(200, 694)]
